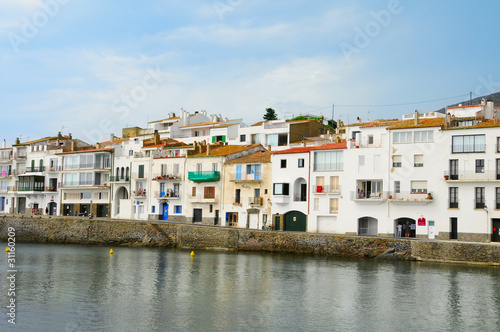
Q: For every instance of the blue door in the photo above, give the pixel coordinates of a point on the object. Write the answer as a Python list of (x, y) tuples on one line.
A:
[(165, 212)]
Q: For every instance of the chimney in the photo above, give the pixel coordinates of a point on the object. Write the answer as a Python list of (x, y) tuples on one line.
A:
[(208, 149), (112, 138), (489, 110), (98, 145), (447, 122), (359, 119), (415, 118), (59, 136), (70, 136), (4, 144), (73, 145), (18, 141), (156, 138)]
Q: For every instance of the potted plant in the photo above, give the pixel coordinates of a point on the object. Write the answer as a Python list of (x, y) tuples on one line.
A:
[(429, 195)]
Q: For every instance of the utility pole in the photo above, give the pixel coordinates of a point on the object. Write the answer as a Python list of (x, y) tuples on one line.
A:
[(333, 111)]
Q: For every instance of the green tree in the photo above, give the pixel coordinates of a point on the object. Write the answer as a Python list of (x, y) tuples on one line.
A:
[(270, 114)]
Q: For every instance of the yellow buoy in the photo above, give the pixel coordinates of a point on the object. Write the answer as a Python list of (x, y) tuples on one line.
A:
[(192, 254), (111, 251), (7, 249)]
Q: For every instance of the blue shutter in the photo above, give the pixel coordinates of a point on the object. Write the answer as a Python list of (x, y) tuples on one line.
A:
[(238, 172)]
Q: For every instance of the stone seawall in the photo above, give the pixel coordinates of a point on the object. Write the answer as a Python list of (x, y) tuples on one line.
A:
[(173, 235)]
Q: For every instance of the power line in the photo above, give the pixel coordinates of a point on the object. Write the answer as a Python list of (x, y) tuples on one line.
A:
[(389, 105)]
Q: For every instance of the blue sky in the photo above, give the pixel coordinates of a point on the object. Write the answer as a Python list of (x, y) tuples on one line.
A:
[(92, 67)]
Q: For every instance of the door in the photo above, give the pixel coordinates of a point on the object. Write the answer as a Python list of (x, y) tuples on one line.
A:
[(52, 208), (253, 220), (453, 228), (21, 206), (303, 192), (216, 218), (197, 215), (295, 221), (277, 223), (495, 235), (165, 212)]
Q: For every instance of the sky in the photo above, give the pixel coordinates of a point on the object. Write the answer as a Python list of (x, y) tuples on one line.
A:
[(91, 68)]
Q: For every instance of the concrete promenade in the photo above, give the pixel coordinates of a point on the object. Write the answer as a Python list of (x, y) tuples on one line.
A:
[(82, 230)]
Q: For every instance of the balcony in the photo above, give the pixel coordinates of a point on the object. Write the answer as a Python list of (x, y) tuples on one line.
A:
[(243, 177), (472, 176), (35, 169), (256, 201), (54, 169), (51, 189), (18, 156), (409, 198), (204, 176), (281, 199), (365, 144), (371, 197), (139, 194), (167, 177), (326, 189), (202, 199), (5, 174), (119, 178), (167, 194), (88, 166)]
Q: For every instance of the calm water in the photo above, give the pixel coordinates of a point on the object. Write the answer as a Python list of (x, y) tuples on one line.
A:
[(83, 288)]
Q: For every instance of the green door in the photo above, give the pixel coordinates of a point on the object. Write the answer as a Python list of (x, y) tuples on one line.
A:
[(295, 221)]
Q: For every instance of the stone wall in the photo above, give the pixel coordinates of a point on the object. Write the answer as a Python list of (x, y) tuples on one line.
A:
[(43, 229)]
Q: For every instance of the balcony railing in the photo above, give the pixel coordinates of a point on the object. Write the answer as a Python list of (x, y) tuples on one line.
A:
[(54, 169), (86, 166), (243, 177), (473, 176), (167, 194), (409, 196), (4, 174), (370, 196), (164, 177), (119, 178), (202, 199), (326, 189), (35, 169), (51, 189), (256, 200), (204, 176)]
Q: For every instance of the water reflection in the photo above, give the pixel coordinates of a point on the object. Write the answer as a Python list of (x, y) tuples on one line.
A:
[(74, 288)]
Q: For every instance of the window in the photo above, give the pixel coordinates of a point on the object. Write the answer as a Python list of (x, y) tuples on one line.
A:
[(453, 169), (214, 167), (453, 198), (397, 187), (220, 138), (243, 138), (418, 160), (283, 163), (334, 205), (479, 165), (153, 208), (193, 191), (397, 161), (316, 204), (253, 170), (85, 179), (402, 137), (423, 136), (237, 195), (468, 143), (320, 184), (479, 199), (301, 162), (418, 187), (497, 198), (281, 188), (370, 139), (498, 144), (71, 179), (141, 172), (86, 161), (498, 169), (85, 195), (177, 208), (334, 183), (209, 192), (329, 161)]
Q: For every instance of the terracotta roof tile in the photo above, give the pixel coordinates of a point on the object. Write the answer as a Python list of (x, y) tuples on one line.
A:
[(89, 150), (259, 157), (422, 123), (223, 150)]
